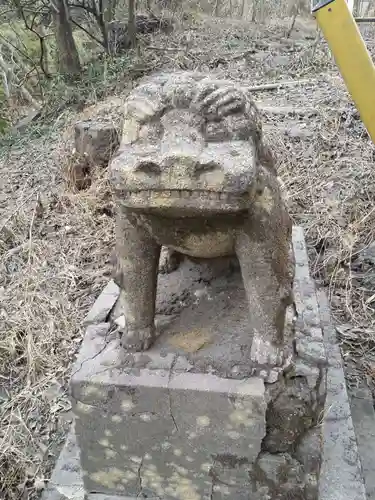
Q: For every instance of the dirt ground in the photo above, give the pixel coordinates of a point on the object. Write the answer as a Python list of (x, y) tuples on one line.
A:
[(55, 244)]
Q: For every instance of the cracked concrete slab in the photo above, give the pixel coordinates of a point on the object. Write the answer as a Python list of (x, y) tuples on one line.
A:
[(157, 431), (66, 480)]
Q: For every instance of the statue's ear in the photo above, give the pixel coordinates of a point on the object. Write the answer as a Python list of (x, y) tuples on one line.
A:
[(266, 156), (219, 99), (130, 131)]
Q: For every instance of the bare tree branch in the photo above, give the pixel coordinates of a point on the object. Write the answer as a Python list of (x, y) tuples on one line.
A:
[(87, 32), (11, 76), (131, 23)]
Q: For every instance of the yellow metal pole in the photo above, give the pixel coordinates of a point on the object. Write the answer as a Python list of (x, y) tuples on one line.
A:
[(352, 58)]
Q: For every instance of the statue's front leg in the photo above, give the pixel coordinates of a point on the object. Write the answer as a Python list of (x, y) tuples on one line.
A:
[(267, 271), (136, 275)]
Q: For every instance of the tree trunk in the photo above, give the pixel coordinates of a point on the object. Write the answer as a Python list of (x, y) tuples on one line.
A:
[(67, 53), (45, 56), (110, 10), (100, 15), (131, 23), (216, 8)]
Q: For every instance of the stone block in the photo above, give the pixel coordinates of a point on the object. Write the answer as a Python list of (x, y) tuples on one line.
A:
[(187, 418), (363, 415), (292, 473), (96, 141), (103, 304), (157, 432), (339, 478), (66, 480)]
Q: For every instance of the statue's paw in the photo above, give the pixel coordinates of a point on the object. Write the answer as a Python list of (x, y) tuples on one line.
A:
[(220, 100), (264, 352), (138, 340)]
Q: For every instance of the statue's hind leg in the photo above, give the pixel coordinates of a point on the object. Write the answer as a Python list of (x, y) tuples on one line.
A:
[(169, 260)]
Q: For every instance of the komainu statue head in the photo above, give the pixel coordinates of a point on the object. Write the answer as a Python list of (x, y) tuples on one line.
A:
[(190, 144)]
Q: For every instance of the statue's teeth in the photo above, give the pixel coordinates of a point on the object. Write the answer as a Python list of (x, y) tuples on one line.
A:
[(183, 194)]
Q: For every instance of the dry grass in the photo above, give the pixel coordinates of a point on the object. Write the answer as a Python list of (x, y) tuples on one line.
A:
[(54, 268), (330, 180), (55, 243)]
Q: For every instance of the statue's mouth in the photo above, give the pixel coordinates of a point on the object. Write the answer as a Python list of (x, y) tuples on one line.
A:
[(192, 200)]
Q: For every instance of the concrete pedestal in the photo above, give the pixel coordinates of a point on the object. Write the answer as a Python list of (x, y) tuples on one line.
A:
[(158, 433), (166, 424)]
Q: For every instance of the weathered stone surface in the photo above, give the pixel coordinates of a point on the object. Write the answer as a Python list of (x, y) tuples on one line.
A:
[(66, 480), (296, 469), (311, 350), (344, 479), (289, 416), (309, 450), (283, 476), (192, 173), (310, 372), (363, 414), (103, 305), (157, 432), (171, 416), (95, 141)]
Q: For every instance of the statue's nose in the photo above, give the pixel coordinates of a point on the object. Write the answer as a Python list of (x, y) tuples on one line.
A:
[(182, 142), (181, 148), (179, 160), (190, 166)]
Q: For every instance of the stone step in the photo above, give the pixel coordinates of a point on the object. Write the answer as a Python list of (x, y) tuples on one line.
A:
[(341, 474), (363, 415)]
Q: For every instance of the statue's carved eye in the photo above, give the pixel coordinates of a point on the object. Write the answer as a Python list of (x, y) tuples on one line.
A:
[(148, 167)]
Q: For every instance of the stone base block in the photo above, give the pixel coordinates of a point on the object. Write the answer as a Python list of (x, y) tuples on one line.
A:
[(150, 428), (188, 419), (158, 432), (340, 479), (66, 481)]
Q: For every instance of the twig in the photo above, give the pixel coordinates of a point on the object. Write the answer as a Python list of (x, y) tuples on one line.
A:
[(87, 32), (31, 227), (166, 49), (292, 25), (15, 250), (364, 19), (231, 56), (286, 110), (275, 86), (29, 337), (241, 55)]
